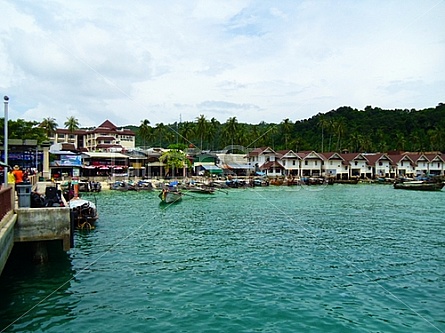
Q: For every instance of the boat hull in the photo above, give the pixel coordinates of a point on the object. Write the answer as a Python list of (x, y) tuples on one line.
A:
[(170, 197), (419, 186), (84, 213)]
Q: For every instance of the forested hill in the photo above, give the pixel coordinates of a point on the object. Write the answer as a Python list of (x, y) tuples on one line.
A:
[(368, 130)]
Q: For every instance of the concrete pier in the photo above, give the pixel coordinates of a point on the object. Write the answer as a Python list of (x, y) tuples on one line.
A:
[(42, 224), (36, 225)]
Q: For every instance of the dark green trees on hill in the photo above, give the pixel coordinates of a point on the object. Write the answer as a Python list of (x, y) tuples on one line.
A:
[(368, 130)]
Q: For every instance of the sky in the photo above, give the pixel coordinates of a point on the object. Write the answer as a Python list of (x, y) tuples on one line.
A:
[(170, 61)]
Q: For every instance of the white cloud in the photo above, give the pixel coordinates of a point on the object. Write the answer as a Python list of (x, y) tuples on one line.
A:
[(256, 60)]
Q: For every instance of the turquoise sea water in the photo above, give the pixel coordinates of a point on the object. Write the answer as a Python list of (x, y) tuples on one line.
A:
[(345, 258)]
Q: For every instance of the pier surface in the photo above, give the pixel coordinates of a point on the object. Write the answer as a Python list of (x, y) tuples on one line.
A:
[(31, 225)]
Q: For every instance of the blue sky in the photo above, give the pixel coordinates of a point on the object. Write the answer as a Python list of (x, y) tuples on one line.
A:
[(127, 61)]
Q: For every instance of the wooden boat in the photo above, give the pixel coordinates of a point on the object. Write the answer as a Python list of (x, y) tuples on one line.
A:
[(119, 186), (89, 186), (142, 185), (84, 213), (170, 195), (419, 185)]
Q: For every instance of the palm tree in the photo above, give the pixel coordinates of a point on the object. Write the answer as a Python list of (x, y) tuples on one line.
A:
[(160, 131), (201, 127), (145, 130), (72, 123), (231, 129), (212, 131), (186, 132), (340, 130), (323, 123), (49, 125), (400, 141), (272, 130), (286, 129)]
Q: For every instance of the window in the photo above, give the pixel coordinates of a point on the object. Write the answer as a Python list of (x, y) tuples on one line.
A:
[(293, 162), (305, 163), (380, 163)]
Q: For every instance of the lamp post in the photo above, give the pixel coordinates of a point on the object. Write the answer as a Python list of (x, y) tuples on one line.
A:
[(5, 141)]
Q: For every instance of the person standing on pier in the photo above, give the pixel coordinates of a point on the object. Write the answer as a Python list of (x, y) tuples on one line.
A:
[(11, 177), (18, 174)]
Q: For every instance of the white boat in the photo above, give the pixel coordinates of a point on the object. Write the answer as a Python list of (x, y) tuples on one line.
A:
[(84, 213)]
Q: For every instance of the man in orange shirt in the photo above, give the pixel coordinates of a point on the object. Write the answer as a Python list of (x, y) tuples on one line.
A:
[(18, 174)]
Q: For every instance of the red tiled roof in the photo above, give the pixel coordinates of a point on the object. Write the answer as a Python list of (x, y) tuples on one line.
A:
[(272, 164), (107, 124)]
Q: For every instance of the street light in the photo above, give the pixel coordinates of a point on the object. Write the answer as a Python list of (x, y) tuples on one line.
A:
[(5, 142)]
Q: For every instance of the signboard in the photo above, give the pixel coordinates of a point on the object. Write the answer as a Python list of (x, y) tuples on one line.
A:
[(70, 160)]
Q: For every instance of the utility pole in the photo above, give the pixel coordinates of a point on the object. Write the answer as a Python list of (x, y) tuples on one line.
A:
[(5, 141)]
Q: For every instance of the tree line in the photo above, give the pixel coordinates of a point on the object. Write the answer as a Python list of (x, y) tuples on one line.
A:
[(344, 129)]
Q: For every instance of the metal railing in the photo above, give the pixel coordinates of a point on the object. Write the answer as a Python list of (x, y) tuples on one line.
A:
[(6, 202)]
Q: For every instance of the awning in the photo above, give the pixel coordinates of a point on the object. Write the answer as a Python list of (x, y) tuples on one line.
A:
[(240, 166), (212, 169)]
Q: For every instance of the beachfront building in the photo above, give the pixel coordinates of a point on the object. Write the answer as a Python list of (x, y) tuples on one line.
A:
[(358, 165), (380, 164), (264, 160), (402, 166), (334, 166), (421, 165), (107, 137), (427, 164), (291, 162), (234, 164), (260, 156), (436, 164), (311, 164)]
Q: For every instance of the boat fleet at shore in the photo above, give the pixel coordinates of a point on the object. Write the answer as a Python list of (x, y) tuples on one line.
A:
[(84, 212), (173, 191)]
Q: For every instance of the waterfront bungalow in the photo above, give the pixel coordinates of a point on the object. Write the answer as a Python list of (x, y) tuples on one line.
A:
[(334, 166), (436, 164), (358, 165), (380, 164), (402, 166), (421, 167), (272, 169), (291, 162), (311, 164), (259, 156)]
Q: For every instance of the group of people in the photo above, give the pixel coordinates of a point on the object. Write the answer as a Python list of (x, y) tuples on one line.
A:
[(16, 176)]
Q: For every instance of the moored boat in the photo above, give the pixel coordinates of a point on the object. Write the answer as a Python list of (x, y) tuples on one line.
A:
[(201, 189), (84, 213), (419, 185), (170, 195)]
